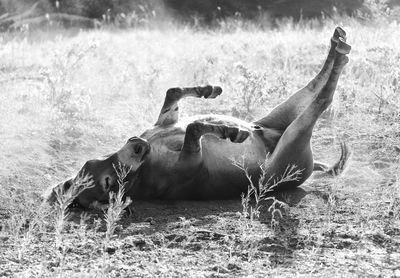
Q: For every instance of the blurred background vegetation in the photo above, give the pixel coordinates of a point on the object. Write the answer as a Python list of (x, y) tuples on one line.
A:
[(16, 14)]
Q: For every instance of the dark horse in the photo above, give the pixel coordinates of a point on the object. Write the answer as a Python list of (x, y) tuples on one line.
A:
[(190, 158)]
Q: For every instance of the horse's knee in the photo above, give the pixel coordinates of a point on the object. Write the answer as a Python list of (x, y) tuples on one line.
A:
[(174, 94), (195, 130)]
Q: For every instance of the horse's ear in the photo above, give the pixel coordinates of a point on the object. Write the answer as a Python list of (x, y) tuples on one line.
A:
[(50, 195)]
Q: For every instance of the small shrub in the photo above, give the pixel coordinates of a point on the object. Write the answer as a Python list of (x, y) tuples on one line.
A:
[(263, 189), (117, 202), (64, 200)]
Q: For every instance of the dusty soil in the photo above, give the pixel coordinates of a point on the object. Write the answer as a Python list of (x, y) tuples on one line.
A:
[(326, 231)]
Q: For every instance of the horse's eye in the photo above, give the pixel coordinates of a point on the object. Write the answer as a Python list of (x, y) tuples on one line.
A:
[(108, 185)]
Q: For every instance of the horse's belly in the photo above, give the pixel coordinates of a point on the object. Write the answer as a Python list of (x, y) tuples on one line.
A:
[(226, 161)]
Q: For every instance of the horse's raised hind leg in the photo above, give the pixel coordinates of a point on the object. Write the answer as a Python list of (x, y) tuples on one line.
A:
[(321, 78), (170, 112), (283, 115), (294, 146)]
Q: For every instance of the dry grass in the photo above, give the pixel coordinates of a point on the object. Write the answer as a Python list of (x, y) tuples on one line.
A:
[(66, 99)]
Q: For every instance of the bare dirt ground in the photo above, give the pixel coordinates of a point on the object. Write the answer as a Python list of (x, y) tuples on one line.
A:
[(68, 99), (327, 230)]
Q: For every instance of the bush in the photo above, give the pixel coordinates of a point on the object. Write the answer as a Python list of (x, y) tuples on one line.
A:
[(131, 12)]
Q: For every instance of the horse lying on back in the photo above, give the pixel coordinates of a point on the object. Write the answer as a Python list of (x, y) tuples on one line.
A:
[(192, 158)]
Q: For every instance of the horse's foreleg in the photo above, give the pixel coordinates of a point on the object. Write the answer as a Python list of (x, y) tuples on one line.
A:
[(169, 113), (191, 153)]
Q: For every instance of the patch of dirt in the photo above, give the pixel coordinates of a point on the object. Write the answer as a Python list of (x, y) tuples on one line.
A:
[(213, 239)]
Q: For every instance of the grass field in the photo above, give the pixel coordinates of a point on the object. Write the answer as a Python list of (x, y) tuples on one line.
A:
[(66, 98)]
